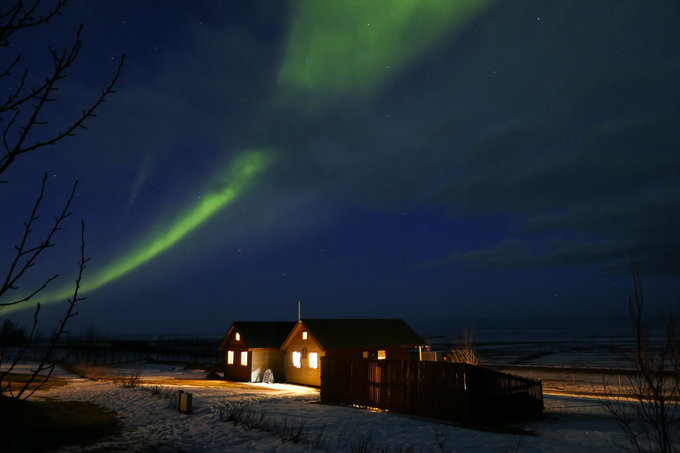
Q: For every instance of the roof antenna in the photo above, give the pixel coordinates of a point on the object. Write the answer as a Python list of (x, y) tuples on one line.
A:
[(298, 310)]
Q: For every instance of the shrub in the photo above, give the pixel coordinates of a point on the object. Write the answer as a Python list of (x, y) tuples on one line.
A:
[(464, 352), (132, 380)]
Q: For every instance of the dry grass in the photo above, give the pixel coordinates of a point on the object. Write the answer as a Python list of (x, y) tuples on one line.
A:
[(288, 431)]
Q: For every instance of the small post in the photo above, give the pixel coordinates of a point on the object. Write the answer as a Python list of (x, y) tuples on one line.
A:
[(184, 402), (185, 408), (179, 399), (298, 310)]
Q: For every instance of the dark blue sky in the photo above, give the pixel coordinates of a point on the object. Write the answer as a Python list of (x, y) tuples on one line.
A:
[(496, 164)]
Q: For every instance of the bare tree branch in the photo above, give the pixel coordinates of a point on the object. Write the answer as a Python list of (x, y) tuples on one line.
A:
[(46, 363), (17, 18), (30, 255), (18, 130), (646, 409)]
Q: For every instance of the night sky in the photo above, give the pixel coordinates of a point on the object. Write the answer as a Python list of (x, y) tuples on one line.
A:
[(496, 164)]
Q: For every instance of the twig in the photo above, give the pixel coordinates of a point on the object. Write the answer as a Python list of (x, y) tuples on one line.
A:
[(62, 324)]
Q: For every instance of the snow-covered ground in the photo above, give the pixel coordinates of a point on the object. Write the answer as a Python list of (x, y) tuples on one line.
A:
[(151, 423)]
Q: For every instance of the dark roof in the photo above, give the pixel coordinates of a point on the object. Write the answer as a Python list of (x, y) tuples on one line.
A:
[(358, 333), (263, 334)]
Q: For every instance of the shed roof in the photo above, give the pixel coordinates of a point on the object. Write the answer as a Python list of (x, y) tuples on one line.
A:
[(261, 334), (358, 333)]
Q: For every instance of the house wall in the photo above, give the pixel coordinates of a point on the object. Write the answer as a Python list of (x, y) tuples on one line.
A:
[(264, 359), (236, 371), (303, 375), (259, 360)]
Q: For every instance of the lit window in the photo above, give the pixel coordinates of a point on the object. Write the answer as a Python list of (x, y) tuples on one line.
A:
[(244, 358), (381, 354), (304, 334), (364, 354), (230, 357), (313, 360), (296, 359), (237, 336)]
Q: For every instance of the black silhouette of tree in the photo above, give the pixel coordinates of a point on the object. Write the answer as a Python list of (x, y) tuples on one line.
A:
[(647, 406), (25, 128)]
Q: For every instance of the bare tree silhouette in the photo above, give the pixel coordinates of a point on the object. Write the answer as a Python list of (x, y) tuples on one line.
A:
[(646, 407), (25, 126)]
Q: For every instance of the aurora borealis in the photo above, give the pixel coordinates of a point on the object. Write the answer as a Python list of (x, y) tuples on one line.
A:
[(449, 163), (241, 173), (352, 48)]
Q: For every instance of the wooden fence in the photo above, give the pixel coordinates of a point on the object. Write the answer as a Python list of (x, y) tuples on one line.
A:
[(442, 390)]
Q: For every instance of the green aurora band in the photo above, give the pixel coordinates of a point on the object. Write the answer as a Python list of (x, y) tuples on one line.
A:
[(335, 50), (241, 173), (342, 48)]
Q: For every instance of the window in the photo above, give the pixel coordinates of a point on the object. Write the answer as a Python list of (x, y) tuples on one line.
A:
[(244, 358), (230, 357), (381, 354), (313, 359), (364, 354), (304, 334), (237, 336), (296, 359)]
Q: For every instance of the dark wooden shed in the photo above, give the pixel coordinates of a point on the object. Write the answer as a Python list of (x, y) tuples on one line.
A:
[(252, 347)]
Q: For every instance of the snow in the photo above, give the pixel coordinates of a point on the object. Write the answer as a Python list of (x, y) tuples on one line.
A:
[(151, 422)]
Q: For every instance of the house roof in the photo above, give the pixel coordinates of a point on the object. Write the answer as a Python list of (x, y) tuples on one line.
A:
[(359, 333), (261, 334)]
